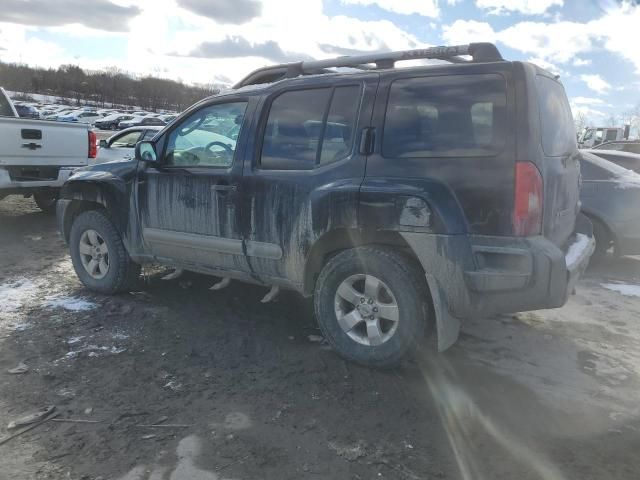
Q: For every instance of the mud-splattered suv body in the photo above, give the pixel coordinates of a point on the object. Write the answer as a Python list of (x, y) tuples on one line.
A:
[(427, 194)]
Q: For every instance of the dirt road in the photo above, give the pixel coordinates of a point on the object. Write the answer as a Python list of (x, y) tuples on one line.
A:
[(242, 392)]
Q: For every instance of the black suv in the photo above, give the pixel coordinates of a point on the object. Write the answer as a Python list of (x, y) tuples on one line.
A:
[(396, 197)]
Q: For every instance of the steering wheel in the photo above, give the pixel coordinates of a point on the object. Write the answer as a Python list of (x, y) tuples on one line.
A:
[(220, 144)]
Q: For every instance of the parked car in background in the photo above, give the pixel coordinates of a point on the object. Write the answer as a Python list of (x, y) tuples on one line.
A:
[(80, 116), (111, 122), (121, 145), (168, 117), (630, 146), (397, 198), (27, 111), (36, 156), (58, 113), (593, 136), (630, 161), (610, 196), (141, 121)]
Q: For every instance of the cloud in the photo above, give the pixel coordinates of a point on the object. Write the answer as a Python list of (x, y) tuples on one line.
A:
[(426, 8), (542, 63), (468, 31), (525, 7), (580, 62), (236, 46), (224, 11), (98, 14), (336, 50), (596, 83), (588, 101)]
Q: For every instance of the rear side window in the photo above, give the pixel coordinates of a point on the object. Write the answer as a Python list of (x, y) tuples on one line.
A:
[(457, 115), (556, 121), (306, 128)]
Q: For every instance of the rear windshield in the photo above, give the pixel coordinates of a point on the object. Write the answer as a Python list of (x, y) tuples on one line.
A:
[(556, 121), (454, 115)]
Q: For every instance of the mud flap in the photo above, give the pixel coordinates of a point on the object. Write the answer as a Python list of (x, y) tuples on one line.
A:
[(447, 326)]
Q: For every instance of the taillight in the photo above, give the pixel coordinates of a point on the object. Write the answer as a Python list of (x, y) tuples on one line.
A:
[(528, 198), (93, 144)]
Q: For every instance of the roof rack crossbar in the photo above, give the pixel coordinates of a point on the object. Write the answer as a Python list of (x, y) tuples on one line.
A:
[(479, 52)]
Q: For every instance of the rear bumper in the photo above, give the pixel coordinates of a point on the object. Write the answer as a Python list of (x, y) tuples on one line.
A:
[(10, 186), (481, 275)]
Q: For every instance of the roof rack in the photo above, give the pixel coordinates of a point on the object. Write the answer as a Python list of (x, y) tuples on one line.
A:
[(479, 52)]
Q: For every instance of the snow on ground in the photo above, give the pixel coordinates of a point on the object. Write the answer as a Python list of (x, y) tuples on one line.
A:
[(75, 304), (15, 293), (625, 289)]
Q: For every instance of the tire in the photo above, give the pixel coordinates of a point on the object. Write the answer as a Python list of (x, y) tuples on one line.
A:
[(46, 201), (113, 126), (603, 240), (399, 281), (121, 273)]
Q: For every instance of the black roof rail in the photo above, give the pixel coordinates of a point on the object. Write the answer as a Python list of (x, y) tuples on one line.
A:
[(479, 52)]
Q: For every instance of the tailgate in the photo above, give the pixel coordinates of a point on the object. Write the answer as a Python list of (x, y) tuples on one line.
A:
[(39, 142), (558, 162)]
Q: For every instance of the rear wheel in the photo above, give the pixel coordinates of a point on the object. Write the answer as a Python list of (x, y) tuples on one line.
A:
[(603, 240), (114, 126), (370, 303), (46, 200), (98, 254)]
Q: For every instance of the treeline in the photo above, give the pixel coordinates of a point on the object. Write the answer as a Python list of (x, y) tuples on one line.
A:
[(103, 88)]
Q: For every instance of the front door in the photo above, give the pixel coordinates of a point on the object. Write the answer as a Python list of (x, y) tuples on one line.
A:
[(189, 202)]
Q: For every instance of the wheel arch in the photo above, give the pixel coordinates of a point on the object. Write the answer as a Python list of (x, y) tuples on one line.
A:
[(341, 239), (84, 196), (596, 217)]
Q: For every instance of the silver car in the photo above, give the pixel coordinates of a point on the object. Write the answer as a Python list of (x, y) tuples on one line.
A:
[(121, 146)]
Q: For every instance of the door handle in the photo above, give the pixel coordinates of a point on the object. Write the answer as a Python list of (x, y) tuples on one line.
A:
[(31, 146), (223, 187)]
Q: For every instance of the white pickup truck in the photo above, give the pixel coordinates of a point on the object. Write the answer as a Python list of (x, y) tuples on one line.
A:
[(37, 156)]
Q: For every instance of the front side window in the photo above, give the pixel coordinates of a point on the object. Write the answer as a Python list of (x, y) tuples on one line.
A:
[(456, 115), (128, 140), (307, 128), (206, 137)]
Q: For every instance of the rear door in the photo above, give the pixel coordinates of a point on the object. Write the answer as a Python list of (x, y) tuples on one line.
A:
[(304, 174), (559, 162)]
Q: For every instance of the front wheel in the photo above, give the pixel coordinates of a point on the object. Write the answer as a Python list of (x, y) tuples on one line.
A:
[(46, 200), (98, 254), (371, 305)]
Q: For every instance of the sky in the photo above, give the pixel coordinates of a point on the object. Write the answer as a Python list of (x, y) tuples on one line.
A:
[(592, 44)]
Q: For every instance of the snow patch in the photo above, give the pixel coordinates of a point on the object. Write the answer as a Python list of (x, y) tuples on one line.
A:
[(576, 248), (16, 293), (625, 289), (75, 304)]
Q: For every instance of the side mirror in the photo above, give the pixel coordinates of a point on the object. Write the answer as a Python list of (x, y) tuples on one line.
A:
[(104, 144), (146, 151)]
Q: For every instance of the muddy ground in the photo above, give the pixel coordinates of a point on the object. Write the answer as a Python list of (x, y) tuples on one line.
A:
[(243, 393)]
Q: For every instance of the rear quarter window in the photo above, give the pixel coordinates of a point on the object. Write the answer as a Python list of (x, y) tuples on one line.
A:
[(556, 121), (455, 115)]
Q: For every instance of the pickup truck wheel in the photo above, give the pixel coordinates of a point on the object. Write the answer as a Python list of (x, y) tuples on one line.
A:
[(46, 201), (370, 304), (98, 254)]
